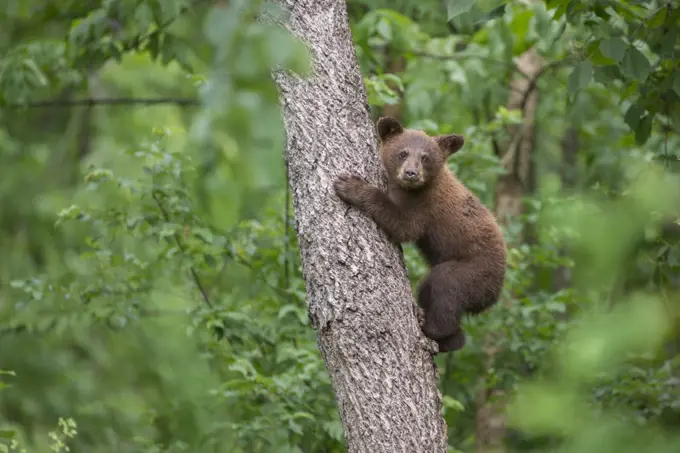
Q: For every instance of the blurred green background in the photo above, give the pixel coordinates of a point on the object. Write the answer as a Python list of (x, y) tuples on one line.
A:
[(151, 298)]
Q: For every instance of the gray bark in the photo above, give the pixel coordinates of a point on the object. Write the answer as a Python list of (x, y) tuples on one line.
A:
[(359, 297)]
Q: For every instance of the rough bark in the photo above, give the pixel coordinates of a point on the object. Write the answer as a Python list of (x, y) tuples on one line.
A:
[(510, 190), (517, 153), (359, 297)]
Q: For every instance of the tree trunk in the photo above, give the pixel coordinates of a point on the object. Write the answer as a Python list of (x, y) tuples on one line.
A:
[(358, 294), (570, 147), (510, 190), (517, 153)]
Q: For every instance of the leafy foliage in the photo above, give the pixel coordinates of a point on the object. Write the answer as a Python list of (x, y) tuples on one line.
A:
[(150, 286)]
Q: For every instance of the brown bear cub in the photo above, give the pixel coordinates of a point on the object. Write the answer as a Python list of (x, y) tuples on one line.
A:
[(457, 235)]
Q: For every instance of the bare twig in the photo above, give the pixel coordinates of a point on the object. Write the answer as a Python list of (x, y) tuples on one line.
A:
[(94, 102), (533, 83), (534, 80)]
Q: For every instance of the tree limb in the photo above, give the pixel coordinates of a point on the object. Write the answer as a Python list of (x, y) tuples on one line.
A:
[(94, 102)]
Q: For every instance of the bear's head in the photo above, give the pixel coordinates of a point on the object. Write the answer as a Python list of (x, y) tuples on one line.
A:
[(412, 158)]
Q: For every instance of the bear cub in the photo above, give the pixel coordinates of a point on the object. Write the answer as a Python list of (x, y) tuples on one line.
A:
[(455, 233)]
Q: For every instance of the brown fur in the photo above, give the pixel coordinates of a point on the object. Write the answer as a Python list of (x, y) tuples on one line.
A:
[(457, 235)]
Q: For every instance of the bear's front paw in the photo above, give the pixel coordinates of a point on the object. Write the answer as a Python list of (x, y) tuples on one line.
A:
[(350, 188)]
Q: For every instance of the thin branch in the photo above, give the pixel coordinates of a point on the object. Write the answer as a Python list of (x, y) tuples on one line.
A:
[(192, 270), (283, 292), (512, 148), (468, 56), (52, 325), (533, 83), (190, 102), (461, 56), (534, 80), (143, 313), (94, 102)]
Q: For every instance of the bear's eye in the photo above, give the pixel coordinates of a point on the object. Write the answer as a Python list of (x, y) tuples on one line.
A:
[(425, 158), (403, 154)]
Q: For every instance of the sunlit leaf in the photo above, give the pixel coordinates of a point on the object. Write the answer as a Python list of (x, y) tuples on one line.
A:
[(457, 7)]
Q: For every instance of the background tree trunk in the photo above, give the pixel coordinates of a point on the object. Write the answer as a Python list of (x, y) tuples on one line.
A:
[(517, 156), (568, 174), (359, 297)]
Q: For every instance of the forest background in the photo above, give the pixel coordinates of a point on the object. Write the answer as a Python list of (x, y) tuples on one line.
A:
[(151, 297)]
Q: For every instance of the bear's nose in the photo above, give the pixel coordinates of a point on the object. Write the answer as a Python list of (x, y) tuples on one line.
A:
[(410, 174)]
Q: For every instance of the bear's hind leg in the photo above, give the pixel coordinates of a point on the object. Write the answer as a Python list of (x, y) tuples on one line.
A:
[(452, 343), (441, 301)]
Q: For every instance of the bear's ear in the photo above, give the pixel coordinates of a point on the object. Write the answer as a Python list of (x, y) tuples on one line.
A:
[(387, 127), (450, 143)]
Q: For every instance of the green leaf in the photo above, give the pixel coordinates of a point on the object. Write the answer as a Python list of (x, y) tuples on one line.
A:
[(489, 5), (633, 115), (542, 23), (520, 26), (596, 56), (667, 47), (635, 65), (204, 234), (7, 433), (657, 19), (676, 82), (458, 7), (395, 79), (606, 74), (153, 44), (560, 10), (334, 429), (451, 403), (643, 130), (614, 48), (39, 75), (580, 76), (384, 29), (143, 16), (306, 415)]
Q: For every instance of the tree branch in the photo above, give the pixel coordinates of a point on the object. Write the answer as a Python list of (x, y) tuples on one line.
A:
[(533, 83), (94, 102), (534, 80), (467, 56), (194, 274)]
